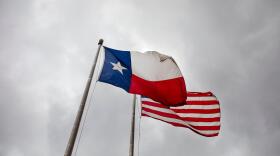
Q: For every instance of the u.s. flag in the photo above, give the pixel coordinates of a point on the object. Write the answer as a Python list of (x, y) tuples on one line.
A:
[(201, 114)]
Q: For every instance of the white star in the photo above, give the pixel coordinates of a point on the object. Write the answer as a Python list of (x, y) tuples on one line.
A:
[(117, 66)]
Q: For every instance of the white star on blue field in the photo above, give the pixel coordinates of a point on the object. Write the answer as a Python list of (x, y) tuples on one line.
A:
[(117, 66)]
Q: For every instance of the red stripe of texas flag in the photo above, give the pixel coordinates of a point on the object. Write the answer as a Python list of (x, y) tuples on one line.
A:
[(171, 89)]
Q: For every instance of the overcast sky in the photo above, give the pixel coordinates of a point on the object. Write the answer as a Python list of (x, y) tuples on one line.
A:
[(231, 48)]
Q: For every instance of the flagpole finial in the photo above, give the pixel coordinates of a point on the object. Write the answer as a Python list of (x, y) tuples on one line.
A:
[(100, 42)]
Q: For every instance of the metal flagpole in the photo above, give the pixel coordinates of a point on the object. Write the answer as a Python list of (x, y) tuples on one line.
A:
[(131, 147), (75, 129)]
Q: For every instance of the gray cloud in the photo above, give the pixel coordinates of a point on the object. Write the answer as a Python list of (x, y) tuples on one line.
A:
[(47, 47)]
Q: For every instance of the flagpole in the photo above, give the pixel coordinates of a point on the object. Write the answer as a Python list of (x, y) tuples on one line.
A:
[(75, 129), (131, 147)]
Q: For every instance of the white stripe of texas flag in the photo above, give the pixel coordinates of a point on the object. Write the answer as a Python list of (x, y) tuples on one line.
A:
[(145, 66)]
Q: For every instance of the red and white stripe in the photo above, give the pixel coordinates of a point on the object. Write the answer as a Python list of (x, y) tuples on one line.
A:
[(201, 114)]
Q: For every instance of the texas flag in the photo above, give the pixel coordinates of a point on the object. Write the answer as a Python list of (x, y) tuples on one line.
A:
[(149, 74)]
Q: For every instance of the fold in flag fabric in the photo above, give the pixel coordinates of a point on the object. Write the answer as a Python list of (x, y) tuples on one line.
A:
[(149, 74), (201, 114)]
